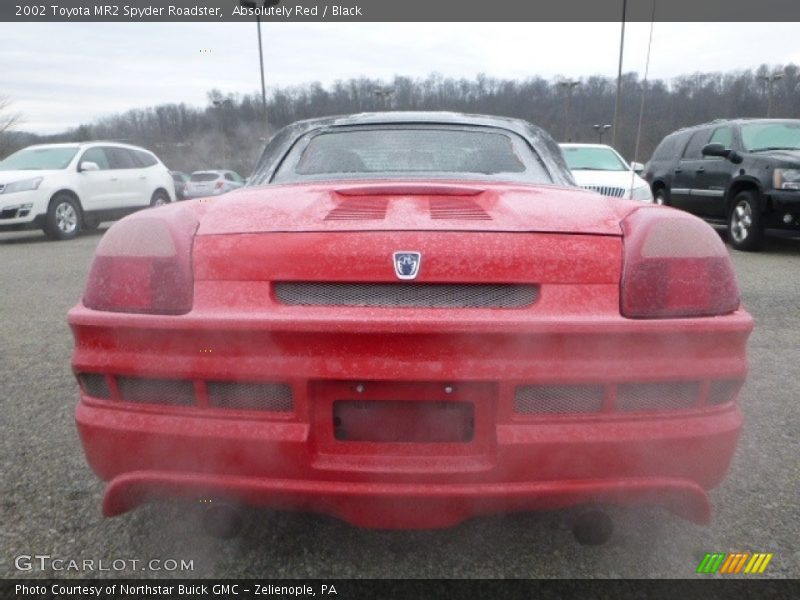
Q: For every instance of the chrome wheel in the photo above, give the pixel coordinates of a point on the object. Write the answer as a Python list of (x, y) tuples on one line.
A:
[(660, 197), (741, 221), (159, 200), (66, 218)]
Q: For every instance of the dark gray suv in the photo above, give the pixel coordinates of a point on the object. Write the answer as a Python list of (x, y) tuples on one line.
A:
[(744, 173)]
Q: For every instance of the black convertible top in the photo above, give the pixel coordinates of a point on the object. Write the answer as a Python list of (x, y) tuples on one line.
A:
[(538, 139)]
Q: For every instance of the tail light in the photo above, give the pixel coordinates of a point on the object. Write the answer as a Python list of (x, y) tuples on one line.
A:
[(675, 265), (143, 264), (219, 185)]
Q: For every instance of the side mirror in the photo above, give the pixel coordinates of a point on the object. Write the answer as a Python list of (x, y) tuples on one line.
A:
[(88, 165), (715, 150), (637, 167)]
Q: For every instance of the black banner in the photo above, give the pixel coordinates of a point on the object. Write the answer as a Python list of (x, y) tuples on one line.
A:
[(390, 589), (396, 11)]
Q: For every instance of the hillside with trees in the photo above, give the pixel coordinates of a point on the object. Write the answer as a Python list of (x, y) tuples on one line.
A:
[(232, 129)]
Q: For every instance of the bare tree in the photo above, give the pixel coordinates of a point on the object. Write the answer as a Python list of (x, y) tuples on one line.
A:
[(8, 119), (189, 138)]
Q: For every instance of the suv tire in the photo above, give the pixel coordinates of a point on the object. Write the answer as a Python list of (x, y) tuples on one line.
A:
[(63, 220), (159, 199), (745, 230)]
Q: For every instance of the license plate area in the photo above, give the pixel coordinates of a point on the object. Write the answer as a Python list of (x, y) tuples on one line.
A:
[(425, 421), (403, 421)]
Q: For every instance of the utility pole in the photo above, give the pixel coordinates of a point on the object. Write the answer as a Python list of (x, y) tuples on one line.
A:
[(254, 6), (618, 97), (568, 85), (218, 104), (770, 80)]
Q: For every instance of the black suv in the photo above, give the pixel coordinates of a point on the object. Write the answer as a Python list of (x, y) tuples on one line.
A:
[(743, 172)]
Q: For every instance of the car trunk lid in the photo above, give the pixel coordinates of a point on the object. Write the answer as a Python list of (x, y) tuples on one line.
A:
[(413, 206)]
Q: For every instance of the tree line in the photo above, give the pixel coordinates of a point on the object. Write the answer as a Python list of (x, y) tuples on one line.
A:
[(231, 130)]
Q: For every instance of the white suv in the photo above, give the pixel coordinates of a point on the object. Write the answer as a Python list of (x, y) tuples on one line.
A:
[(63, 188)]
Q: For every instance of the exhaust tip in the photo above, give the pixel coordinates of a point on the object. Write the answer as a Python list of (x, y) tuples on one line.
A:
[(222, 521), (593, 528)]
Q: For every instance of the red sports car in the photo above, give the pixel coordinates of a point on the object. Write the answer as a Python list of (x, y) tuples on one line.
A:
[(406, 320)]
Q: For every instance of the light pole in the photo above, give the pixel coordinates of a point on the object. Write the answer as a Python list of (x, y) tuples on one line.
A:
[(253, 5), (618, 97), (383, 95), (770, 80), (568, 85), (601, 129), (218, 104)]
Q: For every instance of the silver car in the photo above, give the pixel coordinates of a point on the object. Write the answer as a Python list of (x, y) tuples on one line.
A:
[(212, 183)]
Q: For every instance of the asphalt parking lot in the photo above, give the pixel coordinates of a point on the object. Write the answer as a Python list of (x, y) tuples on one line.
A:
[(50, 500)]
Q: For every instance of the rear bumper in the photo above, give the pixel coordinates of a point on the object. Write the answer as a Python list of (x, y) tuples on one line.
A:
[(406, 506), (667, 462), (514, 460)]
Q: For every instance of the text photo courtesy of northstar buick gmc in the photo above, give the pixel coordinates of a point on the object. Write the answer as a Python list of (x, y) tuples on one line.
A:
[(406, 320)]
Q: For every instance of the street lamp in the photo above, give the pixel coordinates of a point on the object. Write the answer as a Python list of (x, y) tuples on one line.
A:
[(219, 104), (770, 80), (253, 5), (601, 129), (568, 85), (383, 95)]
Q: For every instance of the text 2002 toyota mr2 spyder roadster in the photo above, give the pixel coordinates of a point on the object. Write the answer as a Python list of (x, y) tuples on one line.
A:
[(406, 320)]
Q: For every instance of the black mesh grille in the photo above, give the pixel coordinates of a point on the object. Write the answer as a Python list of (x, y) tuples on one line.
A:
[(553, 399), (156, 391), (250, 396), (605, 190), (723, 390), (95, 385), (407, 295), (673, 395)]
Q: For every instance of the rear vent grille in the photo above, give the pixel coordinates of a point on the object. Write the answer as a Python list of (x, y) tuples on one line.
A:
[(556, 399), (95, 385), (156, 391), (724, 390), (406, 295), (674, 395), (359, 209), (460, 209), (606, 190), (275, 397)]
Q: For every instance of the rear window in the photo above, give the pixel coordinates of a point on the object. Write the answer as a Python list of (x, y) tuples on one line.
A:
[(411, 151), (667, 149), (699, 139), (120, 158), (145, 158), (204, 177)]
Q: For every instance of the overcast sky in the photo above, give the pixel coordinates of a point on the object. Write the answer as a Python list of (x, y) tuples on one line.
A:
[(60, 75)]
